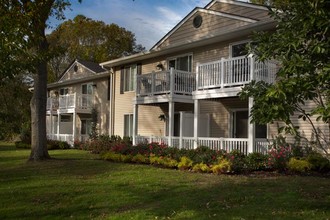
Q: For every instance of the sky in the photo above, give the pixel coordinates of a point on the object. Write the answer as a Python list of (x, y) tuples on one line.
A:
[(149, 20)]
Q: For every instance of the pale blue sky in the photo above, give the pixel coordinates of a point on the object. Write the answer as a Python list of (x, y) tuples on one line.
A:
[(149, 20)]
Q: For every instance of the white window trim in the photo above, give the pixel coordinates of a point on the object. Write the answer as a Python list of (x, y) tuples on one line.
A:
[(90, 83), (128, 114), (134, 78)]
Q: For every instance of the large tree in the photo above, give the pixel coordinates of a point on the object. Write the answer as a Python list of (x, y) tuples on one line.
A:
[(91, 40), (301, 44), (24, 47)]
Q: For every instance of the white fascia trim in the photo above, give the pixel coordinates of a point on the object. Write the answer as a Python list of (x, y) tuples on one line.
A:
[(260, 7), (207, 12), (75, 62), (228, 15)]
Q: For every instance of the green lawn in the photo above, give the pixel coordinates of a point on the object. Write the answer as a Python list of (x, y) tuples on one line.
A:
[(78, 186)]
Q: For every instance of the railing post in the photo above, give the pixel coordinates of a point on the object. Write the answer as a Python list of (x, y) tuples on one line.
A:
[(197, 76), (252, 72), (172, 80), (153, 82), (135, 122), (222, 72)]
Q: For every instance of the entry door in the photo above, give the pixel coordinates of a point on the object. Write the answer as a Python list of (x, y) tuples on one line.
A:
[(241, 121), (86, 91)]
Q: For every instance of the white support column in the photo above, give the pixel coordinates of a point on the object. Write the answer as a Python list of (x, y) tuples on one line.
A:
[(74, 126), (170, 122), (196, 122), (135, 122), (251, 130), (181, 130)]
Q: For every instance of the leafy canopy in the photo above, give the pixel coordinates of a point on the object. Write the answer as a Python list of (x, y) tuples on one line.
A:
[(301, 44)]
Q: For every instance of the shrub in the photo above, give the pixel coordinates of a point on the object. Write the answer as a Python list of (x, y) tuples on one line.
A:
[(111, 156), (224, 166), (318, 162), (168, 162), (205, 155), (278, 157), (237, 159), (54, 145), (22, 145), (126, 158), (201, 167), (185, 163), (139, 158), (299, 165), (256, 161)]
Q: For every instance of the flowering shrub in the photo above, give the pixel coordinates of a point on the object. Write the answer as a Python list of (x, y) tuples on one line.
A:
[(237, 159), (278, 157)]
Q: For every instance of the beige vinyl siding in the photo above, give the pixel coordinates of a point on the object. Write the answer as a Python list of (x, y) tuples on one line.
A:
[(148, 121), (305, 128), (248, 12), (123, 105), (212, 25), (82, 72)]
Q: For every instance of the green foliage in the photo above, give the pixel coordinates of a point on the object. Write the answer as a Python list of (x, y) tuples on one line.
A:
[(185, 163), (15, 109), (201, 167), (318, 162), (238, 161), (87, 39), (304, 57), (22, 145), (224, 166), (299, 165), (256, 161), (54, 145), (111, 156), (139, 158)]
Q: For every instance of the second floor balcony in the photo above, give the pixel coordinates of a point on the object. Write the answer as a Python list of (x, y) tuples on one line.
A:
[(71, 102), (220, 78)]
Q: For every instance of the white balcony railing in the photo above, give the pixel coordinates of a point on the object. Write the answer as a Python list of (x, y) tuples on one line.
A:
[(234, 72), (227, 144), (166, 82), (70, 101)]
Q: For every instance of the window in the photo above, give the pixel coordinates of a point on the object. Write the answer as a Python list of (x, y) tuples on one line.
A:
[(181, 63), (66, 118), (128, 125), (261, 131), (239, 49), (129, 78), (64, 91), (87, 89), (86, 126)]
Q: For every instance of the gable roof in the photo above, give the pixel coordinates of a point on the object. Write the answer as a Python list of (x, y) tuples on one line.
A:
[(94, 68), (207, 10)]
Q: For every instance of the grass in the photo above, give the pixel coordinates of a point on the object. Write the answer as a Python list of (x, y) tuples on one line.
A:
[(76, 185)]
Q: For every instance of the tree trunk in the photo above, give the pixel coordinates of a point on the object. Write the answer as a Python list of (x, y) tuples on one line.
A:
[(38, 108)]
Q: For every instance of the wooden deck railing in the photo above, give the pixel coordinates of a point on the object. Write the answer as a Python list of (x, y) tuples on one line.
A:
[(234, 72), (166, 82)]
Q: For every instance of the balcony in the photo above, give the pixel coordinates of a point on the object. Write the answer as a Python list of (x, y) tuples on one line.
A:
[(71, 103), (226, 77), (159, 86)]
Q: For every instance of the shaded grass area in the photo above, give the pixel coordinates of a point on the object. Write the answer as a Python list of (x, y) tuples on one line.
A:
[(76, 185)]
